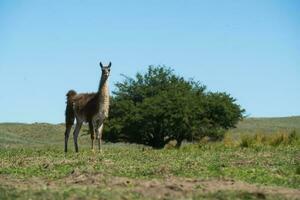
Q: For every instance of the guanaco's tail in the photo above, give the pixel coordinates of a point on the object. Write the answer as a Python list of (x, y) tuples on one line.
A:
[(70, 116)]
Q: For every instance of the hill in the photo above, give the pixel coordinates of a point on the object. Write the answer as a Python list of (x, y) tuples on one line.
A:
[(268, 125), (36, 134)]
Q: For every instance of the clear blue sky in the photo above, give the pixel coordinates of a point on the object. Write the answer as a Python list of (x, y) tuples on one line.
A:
[(250, 49)]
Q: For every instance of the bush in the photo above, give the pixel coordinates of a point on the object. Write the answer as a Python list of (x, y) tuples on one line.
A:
[(159, 106), (276, 139), (247, 141), (284, 138)]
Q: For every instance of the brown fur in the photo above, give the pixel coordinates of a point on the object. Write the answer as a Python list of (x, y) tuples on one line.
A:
[(88, 107), (86, 104)]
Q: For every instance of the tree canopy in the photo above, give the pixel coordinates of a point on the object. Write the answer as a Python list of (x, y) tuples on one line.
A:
[(159, 106)]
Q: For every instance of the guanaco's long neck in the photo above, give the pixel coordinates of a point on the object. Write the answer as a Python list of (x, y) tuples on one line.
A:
[(103, 94)]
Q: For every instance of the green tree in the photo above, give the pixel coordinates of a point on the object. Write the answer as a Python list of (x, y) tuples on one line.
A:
[(159, 106)]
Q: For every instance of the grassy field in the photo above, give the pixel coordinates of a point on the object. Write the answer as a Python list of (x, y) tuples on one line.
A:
[(268, 125), (258, 160)]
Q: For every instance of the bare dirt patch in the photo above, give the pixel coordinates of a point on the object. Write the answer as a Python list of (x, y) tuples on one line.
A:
[(167, 188)]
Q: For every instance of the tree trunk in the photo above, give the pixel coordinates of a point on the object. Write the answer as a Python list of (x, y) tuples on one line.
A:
[(178, 144), (158, 143)]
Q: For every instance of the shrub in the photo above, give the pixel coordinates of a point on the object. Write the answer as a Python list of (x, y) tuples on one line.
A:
[(260, 138), (230, 141), (284, 138), (293, 136), (281, 138), (247, 141), (159, 106)]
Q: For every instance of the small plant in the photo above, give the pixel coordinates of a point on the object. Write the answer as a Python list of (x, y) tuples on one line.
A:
[(293, 136), (229, 140), (283, 139), (276, 140), (260, 138), (246, 141)]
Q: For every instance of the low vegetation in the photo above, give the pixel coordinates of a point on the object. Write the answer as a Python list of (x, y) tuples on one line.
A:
[(282, 138)]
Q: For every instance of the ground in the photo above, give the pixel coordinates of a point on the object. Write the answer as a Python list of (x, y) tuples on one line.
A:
[(34, 166)]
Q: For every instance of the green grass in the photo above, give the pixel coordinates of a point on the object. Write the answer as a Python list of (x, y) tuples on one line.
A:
[(30, 154), (276, 166)]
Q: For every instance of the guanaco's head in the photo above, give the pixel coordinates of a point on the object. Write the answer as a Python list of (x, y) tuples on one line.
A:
[(105, 69)]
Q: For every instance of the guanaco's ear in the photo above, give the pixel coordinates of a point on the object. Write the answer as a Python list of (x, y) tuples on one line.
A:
[(109, 65), (101, 65)]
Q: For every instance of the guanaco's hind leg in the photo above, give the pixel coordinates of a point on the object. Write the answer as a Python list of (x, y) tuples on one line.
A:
[(92, 132), (75, 134), (70, 117), (67, 134)]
